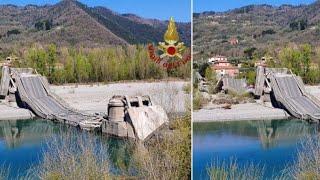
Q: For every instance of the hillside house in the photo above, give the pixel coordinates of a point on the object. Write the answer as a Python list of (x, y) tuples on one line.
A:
[(233, 41), (216, 59), (223, 67)]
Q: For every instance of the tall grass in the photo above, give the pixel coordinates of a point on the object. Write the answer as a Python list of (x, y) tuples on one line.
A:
[(4, 172), (71, 157), (307, 165), (167, 156), (187, 88), (169, 97), (222, 170)]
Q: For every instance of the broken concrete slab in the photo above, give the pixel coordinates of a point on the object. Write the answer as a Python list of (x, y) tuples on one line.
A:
[(14, 113), (133, 117)]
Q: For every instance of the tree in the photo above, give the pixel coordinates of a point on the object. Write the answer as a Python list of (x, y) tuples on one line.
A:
[(249, 52), (97, 65), (82, 68), (290, 58), (298, 60), (299, 25), (70, 70), (52, 60), (43, 25), (13, 32), (37, 59), (209, 74), (251, 77), (306, 58), (313, 76)]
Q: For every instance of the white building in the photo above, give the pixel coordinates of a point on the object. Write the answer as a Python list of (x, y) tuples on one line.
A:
[(217, 59)]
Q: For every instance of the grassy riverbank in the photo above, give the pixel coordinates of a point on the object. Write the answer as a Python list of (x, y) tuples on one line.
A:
[(305, 167)]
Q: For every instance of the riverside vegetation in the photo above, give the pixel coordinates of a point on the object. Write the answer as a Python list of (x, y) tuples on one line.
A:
[(205, 71), (305, 167), (84, 65)]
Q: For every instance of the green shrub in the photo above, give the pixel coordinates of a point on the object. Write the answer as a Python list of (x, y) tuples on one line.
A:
[(198, 100), (13, 32), (43, 25)]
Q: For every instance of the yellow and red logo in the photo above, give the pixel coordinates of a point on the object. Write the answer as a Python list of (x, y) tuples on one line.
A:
[(172, 51)]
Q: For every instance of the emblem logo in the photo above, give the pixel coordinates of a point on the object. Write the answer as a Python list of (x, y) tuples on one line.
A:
[(172, 51)]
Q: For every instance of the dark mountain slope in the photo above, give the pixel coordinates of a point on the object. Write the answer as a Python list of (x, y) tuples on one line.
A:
[(255, 26), (131, 31), (71, 23)]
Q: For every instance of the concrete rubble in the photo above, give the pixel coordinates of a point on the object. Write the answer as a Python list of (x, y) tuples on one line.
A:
[(133, 116)]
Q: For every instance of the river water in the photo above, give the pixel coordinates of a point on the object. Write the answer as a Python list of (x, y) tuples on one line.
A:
[(23, 143), (272, 144)]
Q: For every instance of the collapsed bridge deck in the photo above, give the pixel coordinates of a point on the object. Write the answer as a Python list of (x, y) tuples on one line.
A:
[(287, 91), (130, 117), (33, 93)]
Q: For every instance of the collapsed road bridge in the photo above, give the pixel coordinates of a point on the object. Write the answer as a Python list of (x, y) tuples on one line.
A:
[(32, 92), (287, 91), (131, 117)]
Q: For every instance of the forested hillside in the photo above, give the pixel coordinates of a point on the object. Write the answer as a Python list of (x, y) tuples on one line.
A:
[(70, 42), (257, 28), (286, 36), (71, 23)]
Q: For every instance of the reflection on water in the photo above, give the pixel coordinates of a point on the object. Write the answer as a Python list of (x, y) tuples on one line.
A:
[(16, 134), (270, 143), (23, 142)]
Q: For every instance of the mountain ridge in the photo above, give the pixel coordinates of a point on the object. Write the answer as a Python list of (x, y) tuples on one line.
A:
[(70, 22), (263, 27)]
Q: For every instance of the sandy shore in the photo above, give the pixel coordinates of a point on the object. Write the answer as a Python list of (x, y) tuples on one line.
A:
[(168, 94), (249, 111), (314, 90), (239, 112)]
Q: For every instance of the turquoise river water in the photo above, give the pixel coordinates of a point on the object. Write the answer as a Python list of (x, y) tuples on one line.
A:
[(23, 143), (272, 144)]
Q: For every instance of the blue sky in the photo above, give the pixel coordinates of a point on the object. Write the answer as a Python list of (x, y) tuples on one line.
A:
[(224, 5), (159, 9)]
